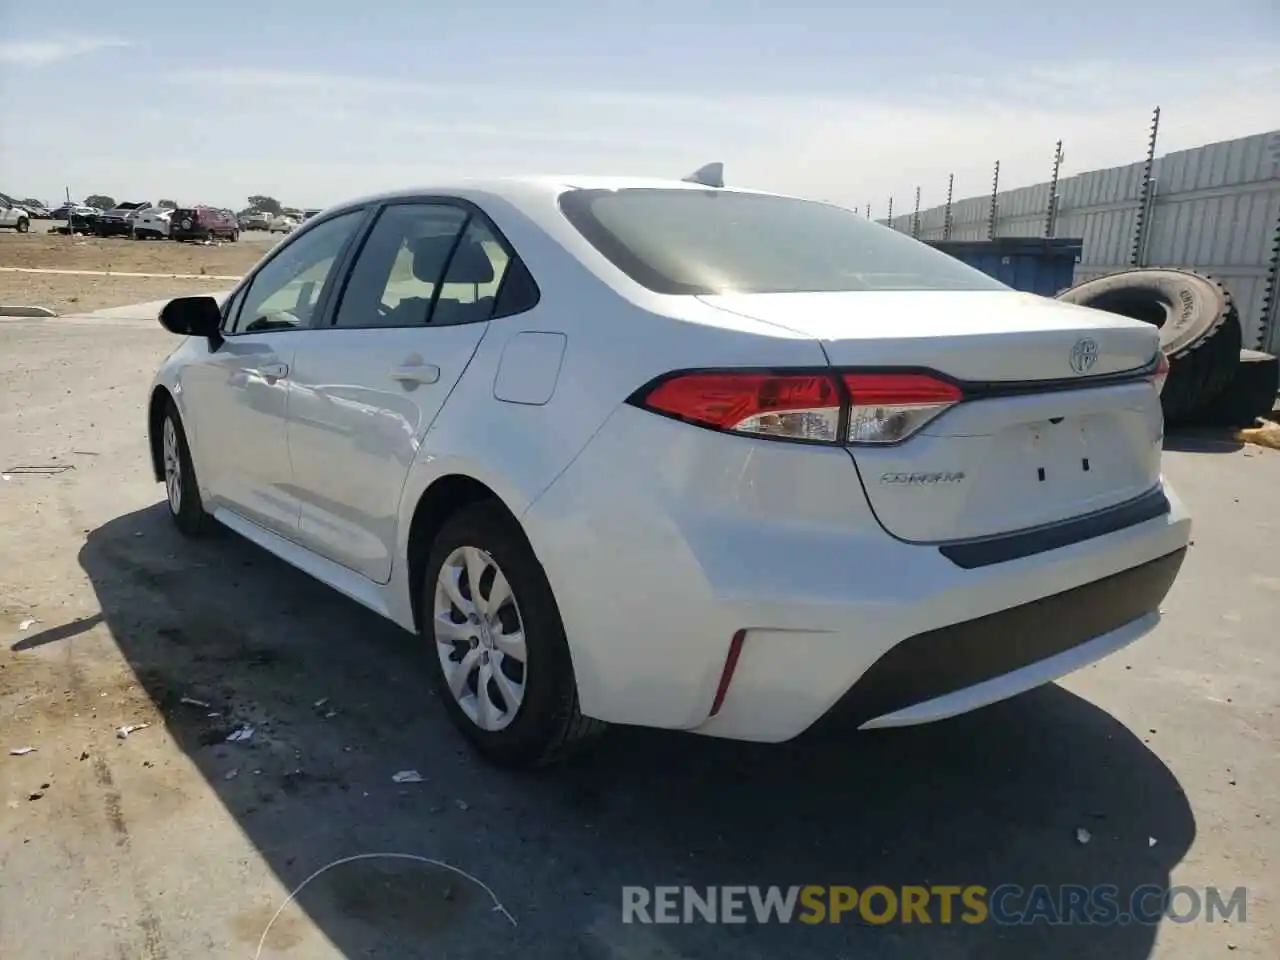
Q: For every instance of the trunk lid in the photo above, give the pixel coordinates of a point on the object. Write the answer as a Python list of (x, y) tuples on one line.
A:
[(1038, 442)]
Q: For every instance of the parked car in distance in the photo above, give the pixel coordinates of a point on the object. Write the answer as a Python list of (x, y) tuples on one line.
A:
[(152, 223), (255, 221), (203, 223), (118, 221), (308, 214), (282, 224), (37, 209), (861, 478), (13, 215)]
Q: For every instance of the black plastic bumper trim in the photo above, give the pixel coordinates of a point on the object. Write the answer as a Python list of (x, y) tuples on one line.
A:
[(951, 658), (970, 554)]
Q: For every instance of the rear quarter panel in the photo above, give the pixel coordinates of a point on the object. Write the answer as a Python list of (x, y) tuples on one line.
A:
[(615, 343)]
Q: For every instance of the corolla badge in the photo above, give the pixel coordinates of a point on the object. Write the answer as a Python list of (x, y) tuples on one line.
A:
[(922, 479), (1084, 355)]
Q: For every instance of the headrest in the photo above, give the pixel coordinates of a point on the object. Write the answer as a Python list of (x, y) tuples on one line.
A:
[(470, 264)]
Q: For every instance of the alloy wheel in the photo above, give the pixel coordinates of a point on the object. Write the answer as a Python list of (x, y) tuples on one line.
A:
[(172, 466)]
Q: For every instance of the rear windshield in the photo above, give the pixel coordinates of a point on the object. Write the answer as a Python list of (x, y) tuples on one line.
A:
[(684, 241)]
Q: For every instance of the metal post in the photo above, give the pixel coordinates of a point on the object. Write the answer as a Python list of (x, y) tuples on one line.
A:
[(946, 215), (868, 211), (1141, 218), (1051, 210), (1269, 337), (889, 220), (995, 191), (915, 218)]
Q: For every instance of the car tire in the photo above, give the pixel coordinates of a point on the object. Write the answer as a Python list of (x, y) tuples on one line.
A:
[(185, 505), (23, 225), (546, 723), (1250, 394), (1199, 328)]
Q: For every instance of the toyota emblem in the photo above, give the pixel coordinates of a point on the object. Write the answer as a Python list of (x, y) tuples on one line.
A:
[(1084, 355)]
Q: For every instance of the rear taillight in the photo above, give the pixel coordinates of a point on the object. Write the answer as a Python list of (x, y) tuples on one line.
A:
[(889, 407), (789, 406), (1162, 372), (820, 407)]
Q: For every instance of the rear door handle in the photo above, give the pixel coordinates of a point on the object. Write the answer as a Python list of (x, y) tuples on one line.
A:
[(411, 373)]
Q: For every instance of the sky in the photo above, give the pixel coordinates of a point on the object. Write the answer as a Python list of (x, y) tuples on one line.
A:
[(319, 101)]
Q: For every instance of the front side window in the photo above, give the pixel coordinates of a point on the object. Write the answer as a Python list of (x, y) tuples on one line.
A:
[(702, 242), (285, 292)]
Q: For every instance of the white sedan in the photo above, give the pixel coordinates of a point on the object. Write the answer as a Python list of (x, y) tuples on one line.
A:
[(151, 223), (649, 452)]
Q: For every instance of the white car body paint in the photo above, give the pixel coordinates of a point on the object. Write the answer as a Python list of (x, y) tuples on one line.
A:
[(662, 540), (152, 221)]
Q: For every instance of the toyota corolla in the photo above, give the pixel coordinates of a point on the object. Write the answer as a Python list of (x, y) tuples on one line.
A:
[(656, 453)]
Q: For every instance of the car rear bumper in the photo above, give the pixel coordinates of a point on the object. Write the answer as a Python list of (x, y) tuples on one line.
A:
[(663, 541), (920, 678)]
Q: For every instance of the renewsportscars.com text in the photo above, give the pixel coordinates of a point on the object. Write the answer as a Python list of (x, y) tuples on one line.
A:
[(1008, 904)]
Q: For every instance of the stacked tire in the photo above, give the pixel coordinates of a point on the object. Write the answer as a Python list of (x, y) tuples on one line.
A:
[(1212, 381)]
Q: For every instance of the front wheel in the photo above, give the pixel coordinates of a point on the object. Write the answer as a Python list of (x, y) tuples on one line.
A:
[(23, 225), (182, 492), (501, 661)]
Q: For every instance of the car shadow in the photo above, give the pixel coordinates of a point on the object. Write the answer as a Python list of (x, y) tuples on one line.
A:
[(1201, 440), (339, 703)]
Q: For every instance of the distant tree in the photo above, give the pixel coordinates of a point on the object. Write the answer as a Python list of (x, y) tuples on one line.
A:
[(167, 204), (101, 201), (265, 205)]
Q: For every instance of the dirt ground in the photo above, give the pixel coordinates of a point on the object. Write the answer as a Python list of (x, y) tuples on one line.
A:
[(77, 293)]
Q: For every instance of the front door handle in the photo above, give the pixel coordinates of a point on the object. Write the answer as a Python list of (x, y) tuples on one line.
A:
[(274, 371), (413, 373)]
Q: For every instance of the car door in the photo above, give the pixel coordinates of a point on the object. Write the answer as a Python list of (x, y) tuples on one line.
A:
[(367, 388), (238, 397)]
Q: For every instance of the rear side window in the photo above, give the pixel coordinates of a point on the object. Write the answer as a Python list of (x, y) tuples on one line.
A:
[(427, 264), (394, 280), (702, 242)]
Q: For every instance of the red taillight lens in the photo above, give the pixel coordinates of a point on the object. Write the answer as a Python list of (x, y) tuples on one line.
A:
[(1162, 372), (789, 406), (877, 408), (889, 407)]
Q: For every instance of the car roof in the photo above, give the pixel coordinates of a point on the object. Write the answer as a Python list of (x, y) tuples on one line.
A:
[(519, 190)]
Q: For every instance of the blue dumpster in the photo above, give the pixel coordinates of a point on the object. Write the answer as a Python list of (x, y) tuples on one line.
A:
[(1031, 264)]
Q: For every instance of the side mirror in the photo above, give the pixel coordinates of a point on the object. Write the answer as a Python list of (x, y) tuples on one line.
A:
[(192, 317)]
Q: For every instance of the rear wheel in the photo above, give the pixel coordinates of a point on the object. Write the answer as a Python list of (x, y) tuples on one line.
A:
[(500, 658), (182, 492)]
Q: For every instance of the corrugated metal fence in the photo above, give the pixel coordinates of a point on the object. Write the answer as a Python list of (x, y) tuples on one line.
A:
[(1215, 208)]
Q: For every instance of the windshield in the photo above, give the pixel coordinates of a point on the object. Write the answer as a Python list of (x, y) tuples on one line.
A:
[(682, 241)]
